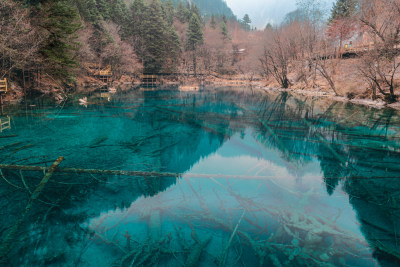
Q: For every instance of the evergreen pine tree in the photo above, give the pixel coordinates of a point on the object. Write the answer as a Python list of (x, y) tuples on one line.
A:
[(224, 19), (155, 38), (61, 21), (88, 10), (174, 49), (169, 11), (195, 10), (194, 38), (189, 7), (343, 9), (182, 13), (213, 23), (93, 11), (224, 31), (120, 12), (194, 33), (137, 13), (246, 21), (104, 9), (268, 27), (133, 29)]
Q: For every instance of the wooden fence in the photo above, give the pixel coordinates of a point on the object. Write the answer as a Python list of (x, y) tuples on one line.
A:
[(348, 50), (356, 49), (3, 86), (105, 74), (149, 79), (5, 123)]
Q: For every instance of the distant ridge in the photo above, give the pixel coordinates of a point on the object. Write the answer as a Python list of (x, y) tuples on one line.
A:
[(210, 7)]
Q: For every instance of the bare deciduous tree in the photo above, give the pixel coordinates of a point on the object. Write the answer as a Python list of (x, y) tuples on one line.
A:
[(277, 56), (381, 19), (19, 42)]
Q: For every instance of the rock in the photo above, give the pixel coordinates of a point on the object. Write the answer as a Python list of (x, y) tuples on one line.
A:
[(324, 257)]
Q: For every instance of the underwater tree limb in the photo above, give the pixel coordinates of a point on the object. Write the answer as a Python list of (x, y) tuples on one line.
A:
[(4, 178), (23, 181), (128, 173), (223, 258), (8, 136), (155, 174), (6, 244)]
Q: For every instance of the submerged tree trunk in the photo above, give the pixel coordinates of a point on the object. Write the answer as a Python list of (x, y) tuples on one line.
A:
[(7, 242)]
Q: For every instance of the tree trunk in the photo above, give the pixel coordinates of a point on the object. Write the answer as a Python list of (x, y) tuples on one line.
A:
[(194, 63)]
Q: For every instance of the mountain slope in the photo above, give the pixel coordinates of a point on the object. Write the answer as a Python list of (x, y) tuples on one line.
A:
[(210, 7), (262, 12)]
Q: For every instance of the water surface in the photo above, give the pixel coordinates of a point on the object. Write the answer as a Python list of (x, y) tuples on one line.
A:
[(238, 177)]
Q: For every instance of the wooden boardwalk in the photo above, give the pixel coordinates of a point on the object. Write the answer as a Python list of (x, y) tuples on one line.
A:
[(3, 86), (5, 123), (357, 49), (149, 79), (348, 51), (105, 74)]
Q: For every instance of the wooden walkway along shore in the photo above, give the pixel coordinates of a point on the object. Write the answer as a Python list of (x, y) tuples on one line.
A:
[(3, 89), (149, 79), (348, 51), (3, 86), (104, 74), (357, 49), (5, 123)]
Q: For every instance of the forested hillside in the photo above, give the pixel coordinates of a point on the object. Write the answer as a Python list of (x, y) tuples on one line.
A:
[(53, 44)]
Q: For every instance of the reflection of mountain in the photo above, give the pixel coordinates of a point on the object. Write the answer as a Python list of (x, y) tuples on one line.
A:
[(377, 204), (144, 135)]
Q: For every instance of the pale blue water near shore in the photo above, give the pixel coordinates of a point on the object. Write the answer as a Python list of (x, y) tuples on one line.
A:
[(256, 179)]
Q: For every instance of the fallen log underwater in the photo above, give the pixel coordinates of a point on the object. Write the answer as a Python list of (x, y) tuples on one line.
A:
[(161, 174), (129, 173), (8, 242)]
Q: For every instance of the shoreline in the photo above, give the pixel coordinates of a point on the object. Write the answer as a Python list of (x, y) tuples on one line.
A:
[(188, 84), (378, 104)]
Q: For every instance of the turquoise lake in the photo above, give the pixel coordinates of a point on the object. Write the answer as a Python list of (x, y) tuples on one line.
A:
[(217, 177)]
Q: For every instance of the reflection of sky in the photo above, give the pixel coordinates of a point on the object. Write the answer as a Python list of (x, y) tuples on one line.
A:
[(204, 202)]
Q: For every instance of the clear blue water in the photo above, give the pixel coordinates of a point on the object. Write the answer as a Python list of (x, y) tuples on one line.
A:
[(239, 177)]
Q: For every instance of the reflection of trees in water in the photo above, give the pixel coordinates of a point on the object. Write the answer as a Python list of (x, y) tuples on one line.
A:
[(370, 177), (279, 126), (349, 143), (170, 134), (352, 146)]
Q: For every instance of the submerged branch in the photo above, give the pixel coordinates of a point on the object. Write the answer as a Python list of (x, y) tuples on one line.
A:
[(159, 174), (129, 173), (6, 244)]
